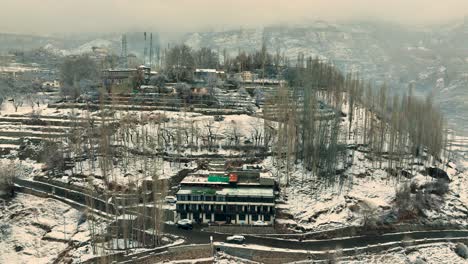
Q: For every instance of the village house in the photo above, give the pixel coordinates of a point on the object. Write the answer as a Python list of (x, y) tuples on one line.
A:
[(51, 84), (117, 76), (237, 197), (206, 74)]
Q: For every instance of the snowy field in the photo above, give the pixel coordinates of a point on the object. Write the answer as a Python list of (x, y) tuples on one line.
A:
[(36, 230), (366, 192), (440, 253)]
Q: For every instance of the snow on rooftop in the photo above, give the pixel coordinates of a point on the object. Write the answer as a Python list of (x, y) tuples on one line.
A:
[(241, 192), (260, 192), (127, 217), (206, 70)]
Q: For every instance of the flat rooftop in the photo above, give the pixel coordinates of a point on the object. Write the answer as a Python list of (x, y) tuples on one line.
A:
[(202, 179), (247, 192), (237, 192)]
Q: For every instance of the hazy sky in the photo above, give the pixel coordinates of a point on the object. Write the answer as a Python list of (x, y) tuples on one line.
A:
[(54, 16)]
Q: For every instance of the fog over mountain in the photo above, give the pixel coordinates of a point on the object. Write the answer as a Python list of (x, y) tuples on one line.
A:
[(58, 16), (416, 41), (222, 131)]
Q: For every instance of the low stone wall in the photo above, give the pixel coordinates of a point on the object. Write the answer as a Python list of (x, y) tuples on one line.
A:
[(206, 248), (360, 230), (48, 194), (240, 229), (262, 255), (190, 253), (278, 255)]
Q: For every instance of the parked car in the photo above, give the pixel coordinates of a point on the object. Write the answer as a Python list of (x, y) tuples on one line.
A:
[(237, 239), (185, 224), (170, 199), (260, 223)]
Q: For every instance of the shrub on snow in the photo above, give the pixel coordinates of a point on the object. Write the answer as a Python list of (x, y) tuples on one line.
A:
[(462, 250)]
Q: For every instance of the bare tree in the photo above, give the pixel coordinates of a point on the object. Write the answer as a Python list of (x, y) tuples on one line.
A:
[(8, 173), (17, 102)]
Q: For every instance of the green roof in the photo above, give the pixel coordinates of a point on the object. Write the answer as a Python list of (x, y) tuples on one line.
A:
[(218, 178)]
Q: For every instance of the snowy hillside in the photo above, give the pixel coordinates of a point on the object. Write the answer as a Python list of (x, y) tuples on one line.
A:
[(36, 230), (82, 49), (430, 58)]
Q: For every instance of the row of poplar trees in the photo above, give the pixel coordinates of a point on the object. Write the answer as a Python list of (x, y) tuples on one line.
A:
[(322, 116)]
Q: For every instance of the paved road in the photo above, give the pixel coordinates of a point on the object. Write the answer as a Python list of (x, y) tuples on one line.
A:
[(200, 237), (196, 236)]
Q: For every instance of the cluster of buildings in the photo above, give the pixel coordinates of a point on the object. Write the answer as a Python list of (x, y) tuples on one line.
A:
[(249, 77), (118, 76), (206, 74), (53, 84), (239, 197)]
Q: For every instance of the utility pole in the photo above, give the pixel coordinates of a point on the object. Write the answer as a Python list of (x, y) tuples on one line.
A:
[(151, 51), (144, 50), (64, 232), (124, 54)]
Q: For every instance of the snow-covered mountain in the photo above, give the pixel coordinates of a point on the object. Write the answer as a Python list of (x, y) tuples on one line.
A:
[(432, 58), (82, 49)]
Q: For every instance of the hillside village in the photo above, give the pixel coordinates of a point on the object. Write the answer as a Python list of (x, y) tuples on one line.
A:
[(108, 157)]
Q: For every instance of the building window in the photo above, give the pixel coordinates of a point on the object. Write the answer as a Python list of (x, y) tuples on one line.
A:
[(220, 198), (195, 198), (196, 216), (254, 217), (208, 216), (231, 208), (242, 217), (267, 218), (183, 215), (208, 198)]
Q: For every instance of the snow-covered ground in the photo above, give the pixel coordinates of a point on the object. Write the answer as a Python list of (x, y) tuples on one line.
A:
[(135, 171), (222, 258), (431, 254), (36, 230), (366, 192)]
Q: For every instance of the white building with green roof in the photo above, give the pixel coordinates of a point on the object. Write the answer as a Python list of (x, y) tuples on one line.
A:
[(226, 204)]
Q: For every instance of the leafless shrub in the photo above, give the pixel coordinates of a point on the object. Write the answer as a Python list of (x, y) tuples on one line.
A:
[(409, 205), (403, 202), (439, 187), (462, 250), (52, 156), (7, 178)]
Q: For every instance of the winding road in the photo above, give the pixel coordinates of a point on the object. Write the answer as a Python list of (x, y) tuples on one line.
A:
[(197, 236)]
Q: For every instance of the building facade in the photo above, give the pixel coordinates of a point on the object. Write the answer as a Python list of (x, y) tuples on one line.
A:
[(226, 205), (111, 77), (237, 197)]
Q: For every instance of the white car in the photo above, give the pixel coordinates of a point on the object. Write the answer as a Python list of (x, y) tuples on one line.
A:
[(170, 199), (238, 239), (260, 223), (185, 224)]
